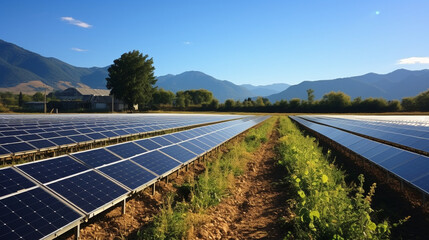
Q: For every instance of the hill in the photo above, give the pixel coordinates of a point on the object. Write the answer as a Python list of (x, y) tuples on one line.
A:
[(221, 89), (266, 90), (22, 67), (395, 85)]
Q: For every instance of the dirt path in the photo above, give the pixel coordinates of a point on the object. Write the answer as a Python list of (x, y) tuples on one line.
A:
[(255, 206)]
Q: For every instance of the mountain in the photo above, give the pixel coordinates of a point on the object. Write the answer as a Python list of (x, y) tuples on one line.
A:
[(395, 85), (22, 67), (221, 89), (265, 90)]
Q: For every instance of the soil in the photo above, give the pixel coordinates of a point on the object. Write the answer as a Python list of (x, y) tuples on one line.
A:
[(256, 207)]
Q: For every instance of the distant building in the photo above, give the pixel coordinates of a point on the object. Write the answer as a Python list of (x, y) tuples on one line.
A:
[(86, 99), (34, 106)]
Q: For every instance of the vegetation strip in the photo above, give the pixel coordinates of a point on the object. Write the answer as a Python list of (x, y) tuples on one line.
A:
[(325, 207), (183, 211)]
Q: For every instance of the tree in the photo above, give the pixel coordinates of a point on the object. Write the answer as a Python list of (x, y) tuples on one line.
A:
[(229, 104), (310, 96), (161, 96), (20, 100), (131, 78), (38, 97), (336, 101)]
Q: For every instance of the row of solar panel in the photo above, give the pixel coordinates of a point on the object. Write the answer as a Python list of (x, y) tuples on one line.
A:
[(24, 141), (409, 166), (87, 182), (409, 137)]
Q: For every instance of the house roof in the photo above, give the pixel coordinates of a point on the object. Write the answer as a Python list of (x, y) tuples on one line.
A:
[(95, 92)]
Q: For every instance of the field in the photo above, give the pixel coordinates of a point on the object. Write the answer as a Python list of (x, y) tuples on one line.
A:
[(229, 177)]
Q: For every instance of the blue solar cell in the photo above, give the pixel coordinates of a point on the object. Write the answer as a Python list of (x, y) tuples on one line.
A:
[(180, 136), (98, 129), (66, 133), (18, 147), (161, 141), (42, 143), (179, 153), (397, 159), (80, 138), (9, 140), (62, 141), (413, 169), (126, 150), (33, 214), (171, 138), (148, 144), (96, 136), (89, 191), (11, 181), (156, 127), (4, 151), (85, 130), (193, 148), (131, 130), (129, 174), (14, 133), (207, 141), (36, 130), (49, 134), (422, 183), (120, 132), (200, 144), (109, 134), (52, 169), (29, 137), (157, 162), (96, 157)]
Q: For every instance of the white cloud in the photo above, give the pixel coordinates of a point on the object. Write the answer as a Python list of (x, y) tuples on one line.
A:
[(414, 60), (187, 43), (79, 50), (76, 22)]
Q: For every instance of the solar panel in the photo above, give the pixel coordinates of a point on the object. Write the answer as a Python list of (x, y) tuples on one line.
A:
[(96, 136), (14, 133), (200, 144), (129, 174), (179, 153), (9, 140), (180, 136), (66, 133), (96, 157), (80, 138), (52, 169), (42, 143), (126, 150), (4, 151), (33, 214), (89, 190), (148, 144), (172, 138), (62, 141), (18, 147), (156, 162), (109, 134), (29, 137), (193, 148), (11, 181), (161, 141), (49, 135)]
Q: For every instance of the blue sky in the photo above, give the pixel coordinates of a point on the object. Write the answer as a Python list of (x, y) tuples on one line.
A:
[(256, 42)]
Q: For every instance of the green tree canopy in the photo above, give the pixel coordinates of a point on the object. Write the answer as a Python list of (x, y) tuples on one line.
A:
[(131, 78), (161, 96), (38, 97)]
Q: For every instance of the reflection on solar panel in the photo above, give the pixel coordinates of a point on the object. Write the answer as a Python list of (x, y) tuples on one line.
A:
[(179, 153), (96, 157), (126, 150), (18, 147), (52, 169), (89, 191), (129, 174), (161, 141), (156, 162), (409, 166)]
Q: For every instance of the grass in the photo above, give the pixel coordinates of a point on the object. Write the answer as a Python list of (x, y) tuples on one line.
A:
[(325, 207), (184, 211)]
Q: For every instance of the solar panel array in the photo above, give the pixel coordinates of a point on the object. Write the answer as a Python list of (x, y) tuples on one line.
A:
[(406, 165), (21, 134), (414, 136), (43, 198)]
